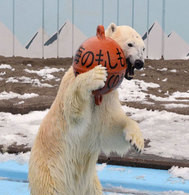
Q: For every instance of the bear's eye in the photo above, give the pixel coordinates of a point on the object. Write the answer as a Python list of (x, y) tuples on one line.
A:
[(130, 44)]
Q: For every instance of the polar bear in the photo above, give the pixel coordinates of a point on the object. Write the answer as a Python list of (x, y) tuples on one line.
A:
[(75, 130), (132, 45)]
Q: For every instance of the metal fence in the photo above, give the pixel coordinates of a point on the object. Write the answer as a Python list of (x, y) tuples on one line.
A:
[(53, 15)]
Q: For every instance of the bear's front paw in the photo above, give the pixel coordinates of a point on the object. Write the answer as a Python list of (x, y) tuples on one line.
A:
[(135, 138), (97, 77)]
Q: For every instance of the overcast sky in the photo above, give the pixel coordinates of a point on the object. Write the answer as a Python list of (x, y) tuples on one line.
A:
[(88, 14)]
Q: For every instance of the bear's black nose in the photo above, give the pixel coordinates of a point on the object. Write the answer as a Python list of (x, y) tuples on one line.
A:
[(139, 64)]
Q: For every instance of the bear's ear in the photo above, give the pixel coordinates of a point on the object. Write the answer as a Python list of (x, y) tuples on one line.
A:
[(111, 29)]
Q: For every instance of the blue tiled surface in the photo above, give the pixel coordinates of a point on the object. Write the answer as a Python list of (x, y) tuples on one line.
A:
[(13, 179)]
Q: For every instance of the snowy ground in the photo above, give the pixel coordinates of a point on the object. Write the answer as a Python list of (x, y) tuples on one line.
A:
[(168, 135), (167, 131)]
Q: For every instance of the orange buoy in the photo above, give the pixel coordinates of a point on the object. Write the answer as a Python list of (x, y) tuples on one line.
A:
[(105, 51)]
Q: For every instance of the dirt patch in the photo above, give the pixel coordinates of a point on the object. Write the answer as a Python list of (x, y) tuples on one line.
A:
[(15, 148), (21, 80), (170, 75)]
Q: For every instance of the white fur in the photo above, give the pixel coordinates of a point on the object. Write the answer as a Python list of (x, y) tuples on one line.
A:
[(74, 132), (125, 35)]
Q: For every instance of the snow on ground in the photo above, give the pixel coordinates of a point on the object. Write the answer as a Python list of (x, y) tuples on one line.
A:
[(2, 73), (137, 90), (168, 135), (134, 90), (20, 129), (100, 167), (175, 105), (173, 70), (167, 132), (6, 66), (10, 95), (46, 72), (165, 80), (163, 69), (180, 172), (22, 158), (23, 79)]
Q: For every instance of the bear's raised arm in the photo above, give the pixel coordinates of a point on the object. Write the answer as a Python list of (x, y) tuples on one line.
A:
[(77, 102), (119, 131)]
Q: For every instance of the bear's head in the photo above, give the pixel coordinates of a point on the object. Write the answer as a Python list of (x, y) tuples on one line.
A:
[(131, 43)]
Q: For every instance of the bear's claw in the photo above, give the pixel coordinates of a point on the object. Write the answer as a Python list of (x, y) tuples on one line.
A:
[(136, 140)]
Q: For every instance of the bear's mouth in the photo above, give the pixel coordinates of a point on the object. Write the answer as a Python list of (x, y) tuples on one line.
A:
[(129, 74)]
